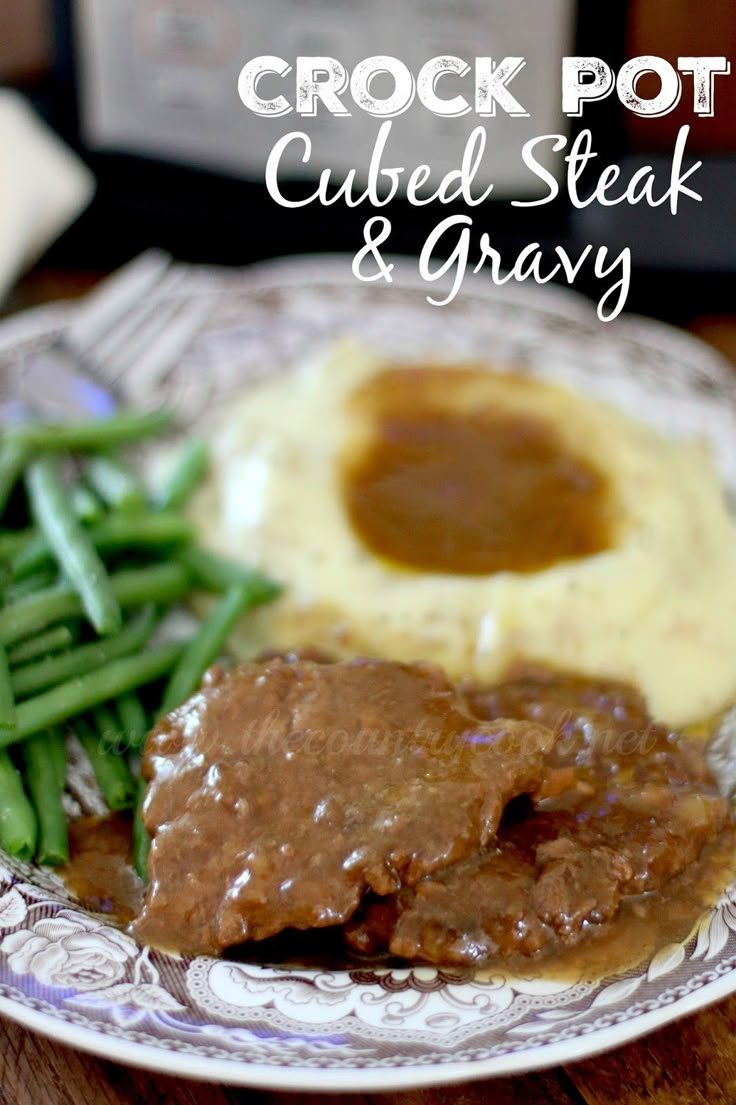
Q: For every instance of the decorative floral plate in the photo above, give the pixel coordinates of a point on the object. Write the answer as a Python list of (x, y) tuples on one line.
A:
[(73, 976)]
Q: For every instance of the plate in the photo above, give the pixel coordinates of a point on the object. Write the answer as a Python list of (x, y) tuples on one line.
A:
[(72, 976)]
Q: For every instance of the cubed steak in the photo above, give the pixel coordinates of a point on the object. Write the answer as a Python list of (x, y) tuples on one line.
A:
[(626, 805), (281, 792), (523, 895)]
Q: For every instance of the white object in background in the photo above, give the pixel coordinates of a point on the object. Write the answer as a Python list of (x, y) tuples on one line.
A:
[(43, 187)]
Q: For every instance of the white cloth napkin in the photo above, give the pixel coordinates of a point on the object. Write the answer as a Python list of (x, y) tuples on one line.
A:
[(43, 187)]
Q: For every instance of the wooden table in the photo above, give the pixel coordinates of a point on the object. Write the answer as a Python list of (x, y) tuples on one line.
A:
[(692, 1062)]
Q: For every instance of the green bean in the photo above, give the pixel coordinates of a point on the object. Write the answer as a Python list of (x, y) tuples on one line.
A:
[(42, 776), (204, 648), (214, 573), (44, 644), (86, 505), (72, 547), (31, 557), (58, 750), (133, 720), (52, 670), (72, 698), (117, 531), (109, 730), (111, 769), (161, 584), (36, 612), (12, 541), (35, 550), (141, 839), (188, 471), (37, 581), (18, 827), (94, 436), (13, 457), (8, 718), (145, 530), (114, 482)]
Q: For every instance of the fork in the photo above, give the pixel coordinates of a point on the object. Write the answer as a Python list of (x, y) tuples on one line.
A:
[(141, 318)]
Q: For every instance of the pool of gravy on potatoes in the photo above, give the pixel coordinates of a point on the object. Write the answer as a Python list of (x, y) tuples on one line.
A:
[(468, 492)]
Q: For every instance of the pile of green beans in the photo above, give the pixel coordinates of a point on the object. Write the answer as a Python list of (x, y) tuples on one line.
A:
[(90, 562)]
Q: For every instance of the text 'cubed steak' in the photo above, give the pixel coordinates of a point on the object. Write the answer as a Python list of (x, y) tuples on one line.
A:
[(281, 792)]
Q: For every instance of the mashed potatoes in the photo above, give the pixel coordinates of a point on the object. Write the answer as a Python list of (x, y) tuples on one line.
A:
[(628, 568)]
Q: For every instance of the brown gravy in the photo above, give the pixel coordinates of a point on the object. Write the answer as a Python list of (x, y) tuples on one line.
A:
[(101, 876), (100, 870), (644, 925), (590, 720), (468, 491)]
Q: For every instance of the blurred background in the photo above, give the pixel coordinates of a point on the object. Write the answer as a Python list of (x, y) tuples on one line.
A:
[(145, 92)]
